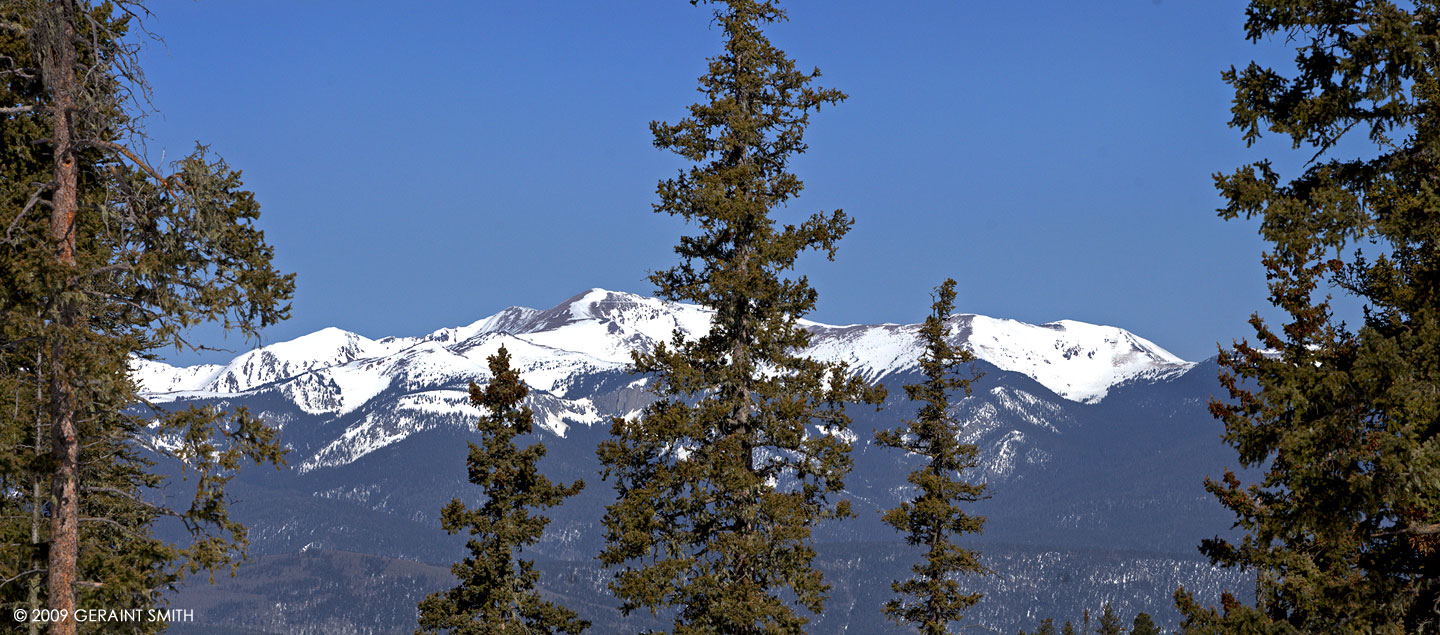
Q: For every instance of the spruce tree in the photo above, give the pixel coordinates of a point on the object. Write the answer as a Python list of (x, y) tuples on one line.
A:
[(1144, 625), (1109, 622), (932, 599), (105, 257), (497, 594), (1047, 627), (1342, 416), (1067, 629), (723, 478)]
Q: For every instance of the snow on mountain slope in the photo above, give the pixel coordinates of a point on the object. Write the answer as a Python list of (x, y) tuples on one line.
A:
[(159, 377), (1075, 360), (389, 388), (326, 348), (607, 325), (596, 330)]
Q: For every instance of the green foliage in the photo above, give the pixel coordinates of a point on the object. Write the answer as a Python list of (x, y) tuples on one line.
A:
[(1109, 622), (497, 591), (1047, 627), (149, 255), (1344, 526), (723, 478), (1144, 625), (932, 599)]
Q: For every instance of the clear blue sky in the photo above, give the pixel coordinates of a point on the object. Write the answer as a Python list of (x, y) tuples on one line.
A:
[(423, 165)]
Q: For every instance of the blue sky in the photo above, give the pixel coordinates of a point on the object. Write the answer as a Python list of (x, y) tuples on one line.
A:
[(423, 165)]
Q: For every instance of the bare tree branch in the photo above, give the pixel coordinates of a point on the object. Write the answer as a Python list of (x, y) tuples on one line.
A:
[(34, 200), (125, 152), (20, 575), (100, 271), (118, 527), (119, 493), (1412, 530), (13, 110)]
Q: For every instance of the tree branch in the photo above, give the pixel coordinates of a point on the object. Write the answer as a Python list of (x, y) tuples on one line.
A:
[(20, 575), (12, 110), (119, 266), (158, 509), (1412, 530), (119, 527), (34, 200), (125, 152)]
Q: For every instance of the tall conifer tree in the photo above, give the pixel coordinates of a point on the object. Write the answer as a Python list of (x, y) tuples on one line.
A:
[(497, 594), (1342, 416), (1109, 622), (723, 478), (932, 599), (102, 258)]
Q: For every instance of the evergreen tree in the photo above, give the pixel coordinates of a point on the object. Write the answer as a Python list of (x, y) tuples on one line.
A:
[(1068, 629), (723, 478), (1341, 415), (104, 258), (1109, 622), (1046, 627), (497, 592), (932, 599), (1144, 625)]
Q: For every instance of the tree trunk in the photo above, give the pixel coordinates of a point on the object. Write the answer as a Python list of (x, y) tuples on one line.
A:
[(37, 518), (56, 39)]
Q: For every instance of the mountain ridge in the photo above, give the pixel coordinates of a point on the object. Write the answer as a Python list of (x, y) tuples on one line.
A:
[(377, 392), (1090, 438), (606, 325)]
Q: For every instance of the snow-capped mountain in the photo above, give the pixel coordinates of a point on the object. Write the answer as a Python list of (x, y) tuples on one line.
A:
[(599, 329), (396, 386), (1090, 438)]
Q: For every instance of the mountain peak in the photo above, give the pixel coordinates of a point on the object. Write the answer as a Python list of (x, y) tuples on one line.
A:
[(599, 328), (1076, 360), (390, 388)]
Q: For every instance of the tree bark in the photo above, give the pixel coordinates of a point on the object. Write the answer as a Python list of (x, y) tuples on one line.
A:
[(56, 40), (37, 518)]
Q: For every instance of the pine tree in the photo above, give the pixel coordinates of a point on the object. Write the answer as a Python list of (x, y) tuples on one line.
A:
[(497, 592), (1047, 627), (1144, 625), (932, 599), (1109, 622), (104, 258), (723, 478), (1342, 416)]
